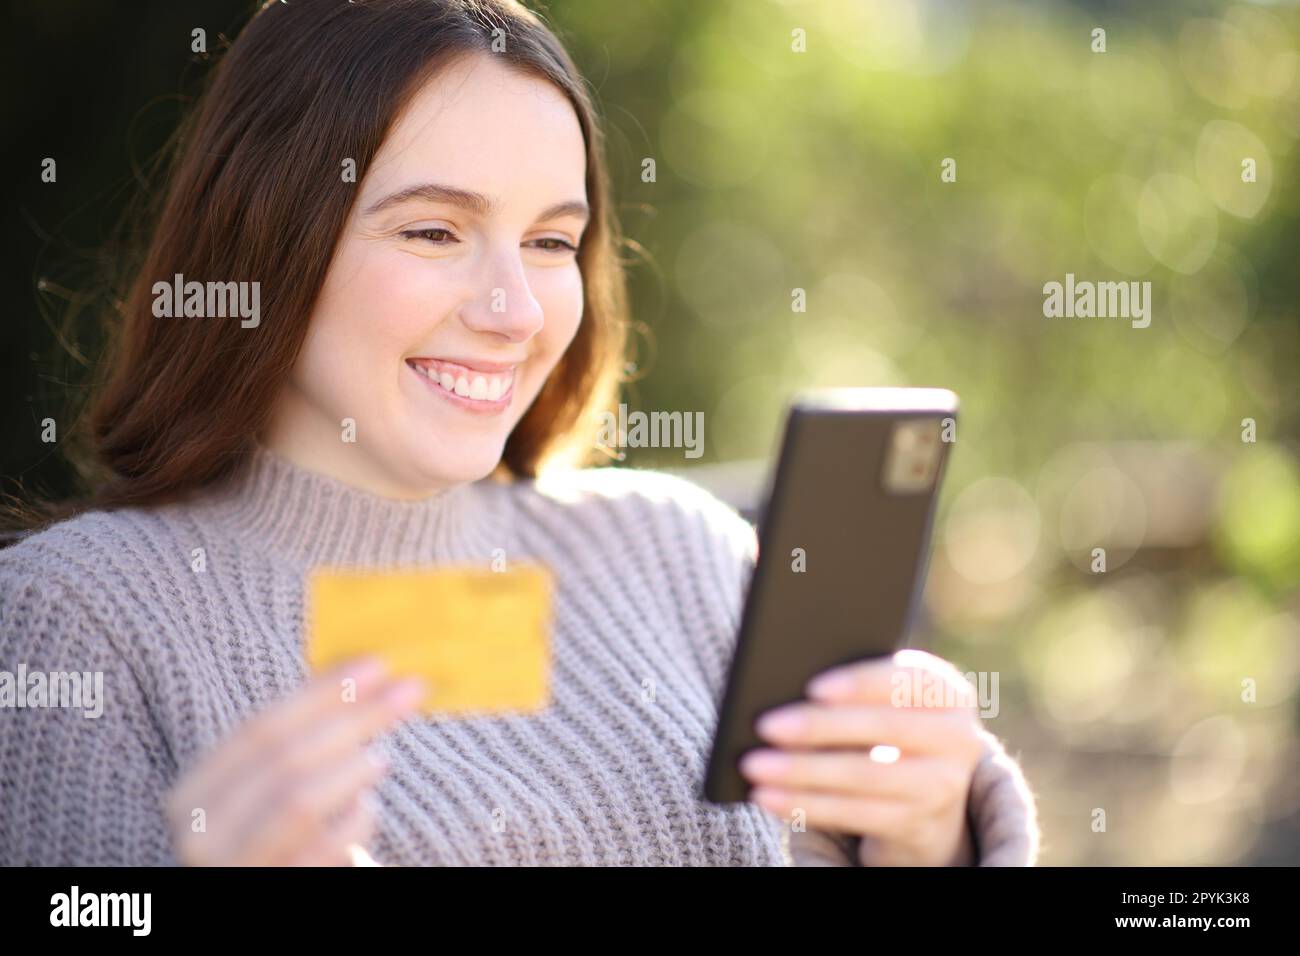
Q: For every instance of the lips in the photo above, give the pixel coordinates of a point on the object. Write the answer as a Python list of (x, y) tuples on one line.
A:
[(481, 382)]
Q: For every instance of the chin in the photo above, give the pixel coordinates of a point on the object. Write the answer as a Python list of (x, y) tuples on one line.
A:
[(466, 465)]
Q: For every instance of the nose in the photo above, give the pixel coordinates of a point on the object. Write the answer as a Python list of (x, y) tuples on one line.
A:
[(505, 305)]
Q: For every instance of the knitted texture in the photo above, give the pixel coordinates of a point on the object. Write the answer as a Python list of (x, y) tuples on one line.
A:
[(650, 575)]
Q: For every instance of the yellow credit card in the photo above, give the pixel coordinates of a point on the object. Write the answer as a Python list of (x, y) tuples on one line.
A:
[(479, 638)]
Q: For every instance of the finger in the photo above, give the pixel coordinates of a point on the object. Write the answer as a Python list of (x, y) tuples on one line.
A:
[(825, 811), (360, 856), (910, 678), (333, 741), (305, 813), (843, 772), (232, 804), (809, 725), (344, 730), (303, 707), (864, 681), (342, 839)]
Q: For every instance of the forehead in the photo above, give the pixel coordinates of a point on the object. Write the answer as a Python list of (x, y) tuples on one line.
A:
[(480, 125)]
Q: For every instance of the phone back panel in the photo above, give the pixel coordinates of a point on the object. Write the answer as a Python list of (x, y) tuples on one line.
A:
[(862, 547)]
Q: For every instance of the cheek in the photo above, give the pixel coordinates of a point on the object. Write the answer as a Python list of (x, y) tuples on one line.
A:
[(560, 295), (371, 309)]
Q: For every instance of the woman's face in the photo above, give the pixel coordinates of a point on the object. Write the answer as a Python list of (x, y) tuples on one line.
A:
[(453, 292)]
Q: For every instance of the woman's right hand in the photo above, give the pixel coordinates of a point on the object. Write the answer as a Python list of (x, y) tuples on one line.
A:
[(292, 786)]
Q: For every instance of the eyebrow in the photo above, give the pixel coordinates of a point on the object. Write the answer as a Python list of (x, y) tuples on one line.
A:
[(474, 202)]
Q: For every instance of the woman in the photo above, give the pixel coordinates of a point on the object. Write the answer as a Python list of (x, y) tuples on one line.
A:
[(418, 190)]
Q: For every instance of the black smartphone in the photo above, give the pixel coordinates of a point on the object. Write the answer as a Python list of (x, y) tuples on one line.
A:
[(843, 547)]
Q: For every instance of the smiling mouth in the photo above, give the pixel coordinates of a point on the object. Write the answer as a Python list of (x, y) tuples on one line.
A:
[(471, 385)]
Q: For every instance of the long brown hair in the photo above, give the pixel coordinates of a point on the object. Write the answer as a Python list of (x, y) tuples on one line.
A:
[(256, 192)]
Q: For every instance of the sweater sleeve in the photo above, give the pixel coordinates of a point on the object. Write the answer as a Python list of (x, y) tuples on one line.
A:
[(82, 784), (1000, 806), (1001, 809)]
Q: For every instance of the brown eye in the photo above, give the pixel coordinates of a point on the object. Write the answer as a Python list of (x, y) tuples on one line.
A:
[(436, 236), (560, 245)]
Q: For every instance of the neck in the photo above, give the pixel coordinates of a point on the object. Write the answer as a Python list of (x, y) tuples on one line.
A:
[(285, 507), (300, 434)]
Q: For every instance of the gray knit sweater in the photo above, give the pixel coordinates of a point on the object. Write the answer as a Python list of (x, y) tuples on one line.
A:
[(650, 573)]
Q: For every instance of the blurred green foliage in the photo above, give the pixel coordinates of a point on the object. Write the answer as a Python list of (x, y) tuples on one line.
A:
[(820, 170)]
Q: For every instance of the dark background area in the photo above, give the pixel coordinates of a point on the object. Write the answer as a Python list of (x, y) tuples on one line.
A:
[(98, 85)]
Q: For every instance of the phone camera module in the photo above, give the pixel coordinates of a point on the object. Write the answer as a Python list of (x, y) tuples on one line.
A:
[(912, 461)]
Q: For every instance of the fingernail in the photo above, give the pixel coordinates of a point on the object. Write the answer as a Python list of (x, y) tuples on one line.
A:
[(762, 763), (409, 692), (780, 723), (831, 684), (366, 669)]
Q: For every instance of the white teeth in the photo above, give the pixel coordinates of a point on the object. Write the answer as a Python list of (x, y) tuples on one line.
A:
[(480, 388)]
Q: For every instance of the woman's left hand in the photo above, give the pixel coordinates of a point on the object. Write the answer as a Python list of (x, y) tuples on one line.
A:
[(910, 811)]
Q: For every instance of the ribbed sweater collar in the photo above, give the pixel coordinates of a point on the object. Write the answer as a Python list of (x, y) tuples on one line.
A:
[(301, 515)]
